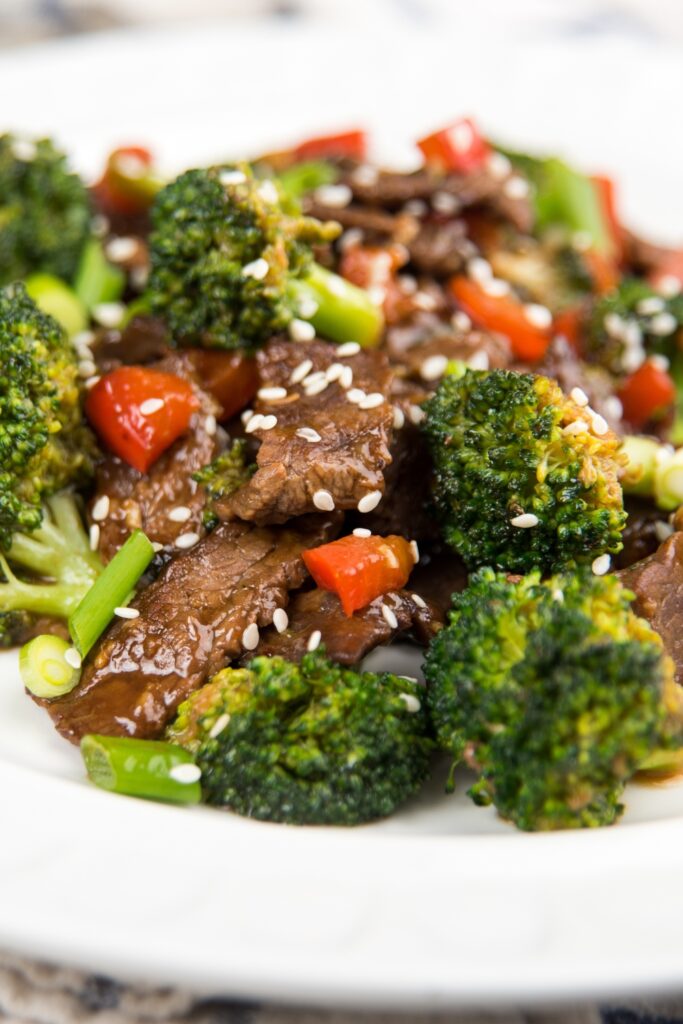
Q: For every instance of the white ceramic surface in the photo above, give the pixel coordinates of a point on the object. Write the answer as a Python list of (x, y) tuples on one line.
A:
[(442, 905)]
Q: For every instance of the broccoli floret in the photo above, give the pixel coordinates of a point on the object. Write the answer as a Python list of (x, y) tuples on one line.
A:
[(44, 442), (628, 323), (44, 211), (47, 572), (224, 475), (553, 692), (223, 250), (504, 445), (306, 744)]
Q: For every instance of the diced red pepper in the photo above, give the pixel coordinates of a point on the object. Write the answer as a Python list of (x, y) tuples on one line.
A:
[(359, 569), (115, 191), (606, 190), (459, 147), (647, 394), (139, 412), (569, 323), (353, 144), (231, 377), (503, 314)]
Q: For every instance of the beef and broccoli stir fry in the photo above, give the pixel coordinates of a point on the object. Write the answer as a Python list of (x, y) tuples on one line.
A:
[(263, 418)]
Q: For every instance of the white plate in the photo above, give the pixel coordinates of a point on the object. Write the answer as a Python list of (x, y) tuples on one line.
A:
[(442, 905)]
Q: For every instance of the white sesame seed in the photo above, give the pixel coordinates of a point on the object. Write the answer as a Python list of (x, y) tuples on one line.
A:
[(314, 641), (446, 203), (399, 418), (479, 269), (355, 395), (416, 207), (100, 509), (251, 637), (434, 367), (219, 725), (632, 358), (333, 195), (415, 551), (498, 165), (118, 250), (86, 368), (187, 540), (425, 301), (127, 613), (246, 416), (258, 269), (350, 239), (280, 619), (210, 425), (614, 326), (525, 521), (390, 557), (308, 307), (228, 177), (361, 531), (180, 514), (651, 305), (479, 360), (268, 422), (660, 361), (663, 324), (516, 188), (92, 381), (663, 530), (301, 330), (576, 427), (599, 424), (412, 703), (365, 174), (268, 191), (94, 537), (419, 601), (72, 657), (369, 501), (669, 286), (301, 371), (323, 500), (537, 315), (139, 277), (408, 679), (601, 564), (83, 339), (372, 401), (349, 348), (579, 396), (633, 333), (157, 547), (271, 394), (376, 293), (316, 387), (416, 414), (109, 314), (408, 284), (461, 321), (613, 407), (334, 371), (314, 378), (185, 774), (308, 434), (389, 617), (151, 405), (24, 150), (254, 423), (495, 287)]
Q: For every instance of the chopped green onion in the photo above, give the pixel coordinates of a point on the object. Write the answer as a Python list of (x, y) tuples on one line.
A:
[(55, 297), (343, 311), (45, 671), (143, 768), (305, 177), (97, 280), (644, 454), (109, 591), (564, 196)]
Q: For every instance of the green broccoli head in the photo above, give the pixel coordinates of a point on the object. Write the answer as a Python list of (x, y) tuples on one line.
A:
[(508, 445), (44, 211), (224, 475), (44, 442), (306, 744), (628, 322), (554, 692), (223, 250)]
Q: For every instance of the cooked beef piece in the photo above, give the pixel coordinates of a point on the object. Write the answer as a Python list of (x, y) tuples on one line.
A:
[(144, 500), (374, 222), (144, 340), (657, 582), (340, 456), (347, 639), (641, 534), (563, 365), (191, 622), (439, 574), (643, 256), (412, 344), (441, 248)]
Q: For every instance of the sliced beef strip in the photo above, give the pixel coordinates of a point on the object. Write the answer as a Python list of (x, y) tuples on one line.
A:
[(641, 533), (441, 248), (347, 462), (347, 639), (412, 344), (144, 500), (191, 623), (657, 582), (143, 340)]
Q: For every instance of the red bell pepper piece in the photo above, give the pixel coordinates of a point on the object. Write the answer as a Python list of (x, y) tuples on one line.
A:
[(231, 377), (503, 314), (569, 323), (123, 408), (122, 189), (647, 394), (459, 147), (359, 569), (353, 144)]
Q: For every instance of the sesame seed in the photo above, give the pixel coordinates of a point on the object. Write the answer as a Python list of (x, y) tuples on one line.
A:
[(479, 360), (100, 509), (258, 269), (525, 521), (334, 371), (399, 418), (24, 150), (109, 314), (651, 305), (419, 601), (187, 540), (323, 500), (355, 395), (269, 422), (350, 239), (377, 294), (632, 333), (516, 188), (579, 396), (228, 177), (251, 637), (86, 368), (210, 424), (301, 330), (415, 551), (369, 501), (498, 165), (461, 321), (219, 725), (271, 394), (613, 407), (314, 378), (254, 423), (180, 514), (601, 564), (408, 284), (446, 203), (280, 619), (301, 371), (314, 641), (576, 427), (72, 657), (361, 531), (308, 434), (537, 315), (151, 405), (614, 326), (346, 378), (416, 207), (157, 547), (423, 300), (94, 537), (389, 617), (316, 387), (268, 191), (118, 250), (416, 414), (599, 424), (349, 348), (308, 307), (660, 361), (663, 530), (83, 339), (632, 358), (365, 175), (333, 195), (390, 557), (246, 416), (495, 287), (92, 381), (127, 613), (434, 367), (412, 703), (669, 286), (371, 401), (663, 324), (479, 269), (185, 774), (139, 277)]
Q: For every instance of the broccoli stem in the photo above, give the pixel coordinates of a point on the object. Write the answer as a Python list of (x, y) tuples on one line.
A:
[(306, 177), (344, 312), (55, 297), (97, 280), (44, 669), (143, 768)]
